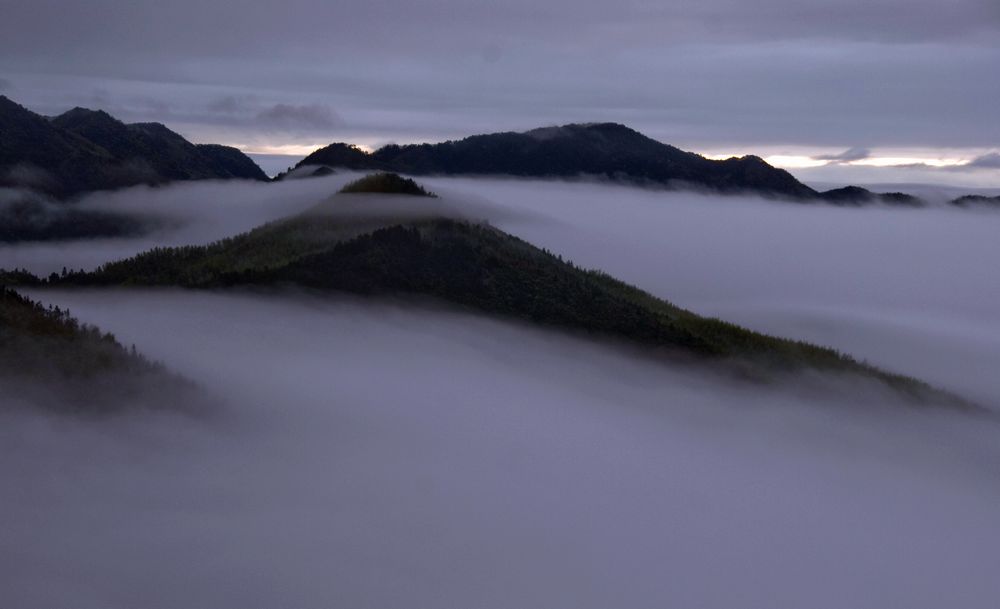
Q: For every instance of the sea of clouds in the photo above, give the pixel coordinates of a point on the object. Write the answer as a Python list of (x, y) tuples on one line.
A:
[(387, 454)]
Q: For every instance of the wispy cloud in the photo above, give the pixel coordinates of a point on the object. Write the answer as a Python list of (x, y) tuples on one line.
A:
[(309, 116), (987, 161), (847, 156), (251, 111)]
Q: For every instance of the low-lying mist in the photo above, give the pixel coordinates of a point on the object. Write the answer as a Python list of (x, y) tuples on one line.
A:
[(182, 213), (391, 456), (912, 290), (200, 212)]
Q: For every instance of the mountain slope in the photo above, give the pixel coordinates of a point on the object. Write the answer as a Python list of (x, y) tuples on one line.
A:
[(49, 359), (222, 160), (483, 269), (83, 150), (605, 150), (36, 154)]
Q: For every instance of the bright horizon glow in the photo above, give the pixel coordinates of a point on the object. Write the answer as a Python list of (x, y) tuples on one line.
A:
[(895, 161), (794, 159), (788, 161), (798, 161), (285, 149), (793, 162)]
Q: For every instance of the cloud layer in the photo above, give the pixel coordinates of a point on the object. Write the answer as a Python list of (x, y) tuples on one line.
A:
[(695, 74), (393, 455), (399, 457)]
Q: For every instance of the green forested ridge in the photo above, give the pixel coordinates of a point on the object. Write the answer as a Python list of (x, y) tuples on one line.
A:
[(48, 358), (481, 268), (386, 183)]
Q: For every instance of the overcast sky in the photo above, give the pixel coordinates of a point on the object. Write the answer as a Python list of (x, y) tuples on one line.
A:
[(854, 81)]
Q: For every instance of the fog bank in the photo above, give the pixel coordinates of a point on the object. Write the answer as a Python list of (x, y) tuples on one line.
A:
[(385, 456), (913, 290), (190, 213), (381, 455)]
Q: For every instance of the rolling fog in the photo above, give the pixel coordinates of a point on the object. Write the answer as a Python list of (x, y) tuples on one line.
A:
[(913, 290), (388, 455)]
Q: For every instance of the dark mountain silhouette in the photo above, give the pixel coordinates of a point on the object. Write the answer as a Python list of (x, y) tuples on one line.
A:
[(976, 200), (855, 195), (347, 156), (605, 150), (226, 159), (84, 150)]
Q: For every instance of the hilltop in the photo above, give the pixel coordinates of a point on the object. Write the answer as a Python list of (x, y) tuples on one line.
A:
[(386, 183)]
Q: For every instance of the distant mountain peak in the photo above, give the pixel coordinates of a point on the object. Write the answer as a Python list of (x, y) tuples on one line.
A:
[(79, 119), (81, 112)]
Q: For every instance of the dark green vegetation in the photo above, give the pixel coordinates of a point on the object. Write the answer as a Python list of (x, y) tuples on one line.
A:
[(855, 195), (49, 359), (482, 269), (84, 150), (386, 183), (26, 216), (976, 201)]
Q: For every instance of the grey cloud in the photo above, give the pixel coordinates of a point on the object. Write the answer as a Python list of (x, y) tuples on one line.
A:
[(460, 458), (151, 28), (990, 160), (251, 112), (228, 104), (311, 117), (808, 72), (5, 85), (851, 154)]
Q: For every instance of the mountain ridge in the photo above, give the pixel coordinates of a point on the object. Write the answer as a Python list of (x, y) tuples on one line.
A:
[(84, 150), (474, 267), (609, 150)]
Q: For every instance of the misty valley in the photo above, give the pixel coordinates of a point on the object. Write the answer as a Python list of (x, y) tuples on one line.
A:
[(571, 367)]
